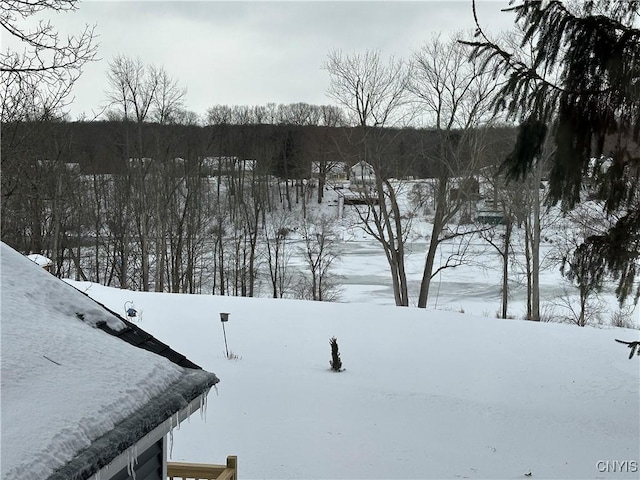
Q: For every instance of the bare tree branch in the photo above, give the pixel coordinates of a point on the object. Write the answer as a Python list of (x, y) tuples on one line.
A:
[(38, 81)]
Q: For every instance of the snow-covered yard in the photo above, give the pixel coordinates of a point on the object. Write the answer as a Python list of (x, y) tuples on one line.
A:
[(425, 394)]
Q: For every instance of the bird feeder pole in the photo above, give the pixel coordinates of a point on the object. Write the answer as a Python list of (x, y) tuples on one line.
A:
[(224, 318)]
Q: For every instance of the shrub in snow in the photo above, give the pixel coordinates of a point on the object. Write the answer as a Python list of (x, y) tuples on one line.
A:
[(623, 318), (336, 363), (233, 356)]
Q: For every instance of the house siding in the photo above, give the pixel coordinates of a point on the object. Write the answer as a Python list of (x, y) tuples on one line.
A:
[(149, 466)]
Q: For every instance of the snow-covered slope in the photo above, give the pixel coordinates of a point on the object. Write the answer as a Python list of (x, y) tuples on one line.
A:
[(425, 394)]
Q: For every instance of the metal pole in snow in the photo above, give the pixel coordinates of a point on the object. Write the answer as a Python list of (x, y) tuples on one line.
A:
[(224, 317)]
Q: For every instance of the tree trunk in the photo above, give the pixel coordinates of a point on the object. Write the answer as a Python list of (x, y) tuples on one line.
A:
[(393, 266), (393, 246), (160, 247), (321, 182), (438, 225), (583, 307), (144, 247), (528, 264), (398, 252), (505, 268), (535, 249), (124, 263)]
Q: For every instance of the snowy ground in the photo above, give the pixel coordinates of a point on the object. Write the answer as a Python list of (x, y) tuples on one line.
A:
[(425, 394)]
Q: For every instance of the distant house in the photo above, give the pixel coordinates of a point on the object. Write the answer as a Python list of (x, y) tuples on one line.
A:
[(85, 394), (333, 170), (465, 190), (490, 217), (73, 167), (139, 163), (148, 163), (490, 212), (227, 165), (41, 261), (56, 164), (362, 176)]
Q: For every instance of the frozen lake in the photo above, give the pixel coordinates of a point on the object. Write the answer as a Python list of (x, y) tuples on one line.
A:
[(364, 277)]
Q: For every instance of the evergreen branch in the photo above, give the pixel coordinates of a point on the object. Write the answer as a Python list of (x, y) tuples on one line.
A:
[(634, 346)]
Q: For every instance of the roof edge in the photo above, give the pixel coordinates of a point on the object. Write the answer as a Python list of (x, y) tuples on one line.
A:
[(178, 399), (136, 336), (124, 458)]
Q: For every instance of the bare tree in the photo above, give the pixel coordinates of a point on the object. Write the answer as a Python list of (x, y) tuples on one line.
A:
[(319, 252), (119, 216), (133, 87), (168, 102), (332, 116), (382, 219), (277, 249), (270, 113), (299, 114), (38, 80), (529, 212), (369, 89), (252, 211), (242, 115), (501, 241), (507, 203), (182, 116), (325, 157), (373, 93), (453, 96), (219, 115), (139, 93), (132, 91), (586, 220)]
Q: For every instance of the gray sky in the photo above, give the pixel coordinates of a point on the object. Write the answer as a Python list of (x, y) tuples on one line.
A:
[(248, 53)]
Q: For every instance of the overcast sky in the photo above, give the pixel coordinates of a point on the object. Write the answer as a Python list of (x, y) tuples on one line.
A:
[(247, 53)]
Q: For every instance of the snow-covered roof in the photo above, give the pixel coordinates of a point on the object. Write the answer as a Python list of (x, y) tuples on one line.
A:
[(40, 260), (362, 165), (74, 395)]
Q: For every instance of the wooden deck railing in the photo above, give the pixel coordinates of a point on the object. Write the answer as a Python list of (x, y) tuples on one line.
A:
[(203, 471)]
